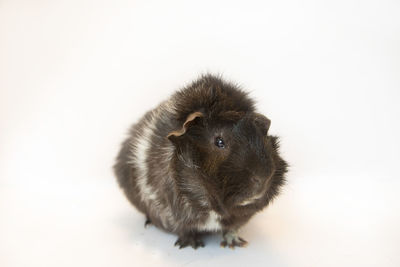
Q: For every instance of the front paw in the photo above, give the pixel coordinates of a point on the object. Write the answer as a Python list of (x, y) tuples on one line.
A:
[(192, 240), (232, 240)]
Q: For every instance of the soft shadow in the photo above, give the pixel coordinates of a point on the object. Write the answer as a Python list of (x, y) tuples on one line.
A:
[(259, 251)]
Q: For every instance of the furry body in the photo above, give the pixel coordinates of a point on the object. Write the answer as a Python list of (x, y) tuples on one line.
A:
[(171, 170)]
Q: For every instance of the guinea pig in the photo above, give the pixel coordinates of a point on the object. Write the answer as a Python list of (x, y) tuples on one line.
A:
[(201, 162)]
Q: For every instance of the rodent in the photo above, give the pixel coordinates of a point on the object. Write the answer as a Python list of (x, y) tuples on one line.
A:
[(201, 162)]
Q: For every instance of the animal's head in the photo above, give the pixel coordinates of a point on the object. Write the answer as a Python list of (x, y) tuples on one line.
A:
[(232, 152)]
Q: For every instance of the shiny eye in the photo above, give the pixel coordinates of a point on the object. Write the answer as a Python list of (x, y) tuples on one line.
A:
[(219, 142)]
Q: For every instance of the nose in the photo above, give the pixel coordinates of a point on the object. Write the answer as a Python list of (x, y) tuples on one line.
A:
[(261, 166)]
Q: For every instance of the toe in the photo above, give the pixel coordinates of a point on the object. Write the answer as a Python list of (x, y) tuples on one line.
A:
[(183, 242), (147, 222)]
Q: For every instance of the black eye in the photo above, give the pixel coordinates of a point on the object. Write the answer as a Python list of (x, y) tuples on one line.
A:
[(219, 142)]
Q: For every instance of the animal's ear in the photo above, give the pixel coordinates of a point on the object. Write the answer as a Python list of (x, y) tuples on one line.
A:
[(189, 119), (262, 122), (231, 115)]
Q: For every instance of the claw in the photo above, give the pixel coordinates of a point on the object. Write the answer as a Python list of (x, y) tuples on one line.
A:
[(190, 240), (147, 222), (223, 244)]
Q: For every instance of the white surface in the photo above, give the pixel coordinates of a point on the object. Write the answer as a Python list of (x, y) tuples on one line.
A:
[(75, 74)]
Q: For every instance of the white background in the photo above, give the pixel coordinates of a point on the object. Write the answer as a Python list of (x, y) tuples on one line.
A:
[(75, 74)]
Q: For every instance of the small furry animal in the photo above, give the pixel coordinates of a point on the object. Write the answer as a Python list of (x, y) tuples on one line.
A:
[(201, 162)]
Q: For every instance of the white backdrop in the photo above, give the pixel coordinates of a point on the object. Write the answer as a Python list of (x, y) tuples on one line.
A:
[(75, 74)]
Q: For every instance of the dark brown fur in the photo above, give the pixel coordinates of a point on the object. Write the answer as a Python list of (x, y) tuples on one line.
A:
[(172, 171)]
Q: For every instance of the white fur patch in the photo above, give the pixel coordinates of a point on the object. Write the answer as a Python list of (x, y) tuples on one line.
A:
[(140, 147), (139, 159), (212, 224)]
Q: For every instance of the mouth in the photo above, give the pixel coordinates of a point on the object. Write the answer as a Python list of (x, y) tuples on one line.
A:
[(260, 187), (251, 200)]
